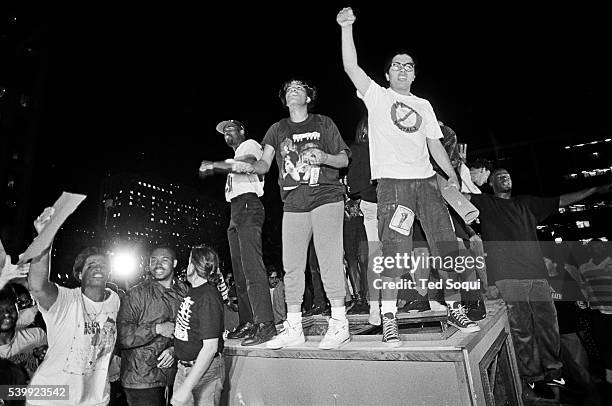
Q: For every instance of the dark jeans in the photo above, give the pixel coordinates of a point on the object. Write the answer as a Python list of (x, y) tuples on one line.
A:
[(533, 324), (244, 235), (356, 254), (423, 197), (146, 397)]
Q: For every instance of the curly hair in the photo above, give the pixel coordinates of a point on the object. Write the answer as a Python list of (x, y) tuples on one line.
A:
[(205, 260), (311, 91), (80, 259)]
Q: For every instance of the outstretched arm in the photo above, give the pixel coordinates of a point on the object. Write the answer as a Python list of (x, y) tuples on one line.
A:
[(44, 291), (260, 167), (569, 198), (360, 79), (208, 168)]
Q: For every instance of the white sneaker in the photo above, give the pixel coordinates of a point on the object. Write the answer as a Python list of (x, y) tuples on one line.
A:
[(437, 306), (290, 336), (374, 318), (337, 335)]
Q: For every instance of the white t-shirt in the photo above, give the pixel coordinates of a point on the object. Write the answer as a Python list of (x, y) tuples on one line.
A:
[(239, 184), (81, 335), (20, 349), (467, 186), (398, 127)]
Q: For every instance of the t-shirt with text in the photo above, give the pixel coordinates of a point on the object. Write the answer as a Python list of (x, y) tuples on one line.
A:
[(303, 185), (237, 184), (81, 335), (200, 317), (398, 128)]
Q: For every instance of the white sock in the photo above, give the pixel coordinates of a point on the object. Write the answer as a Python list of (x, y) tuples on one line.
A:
[(388, 306), (374, 307), (338, 313), (294, 319)]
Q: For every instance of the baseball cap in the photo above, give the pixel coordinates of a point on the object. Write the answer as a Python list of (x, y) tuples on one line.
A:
[(221, 126)]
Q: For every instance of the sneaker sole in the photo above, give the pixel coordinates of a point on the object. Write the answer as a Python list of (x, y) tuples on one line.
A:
[(465, 329), (271, 346), (392, 344), (335, 346)]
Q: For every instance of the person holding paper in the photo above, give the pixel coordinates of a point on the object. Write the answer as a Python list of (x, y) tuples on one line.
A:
[(403, 132), (81, 325)]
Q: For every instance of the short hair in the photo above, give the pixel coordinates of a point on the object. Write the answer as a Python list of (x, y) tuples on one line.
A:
[(482, 163), (8, 294), (80, 259), (164, 247), (200, 256), (389, 60), (311, 91)]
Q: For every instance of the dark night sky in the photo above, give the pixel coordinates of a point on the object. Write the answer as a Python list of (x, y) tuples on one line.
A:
[(142, 89)]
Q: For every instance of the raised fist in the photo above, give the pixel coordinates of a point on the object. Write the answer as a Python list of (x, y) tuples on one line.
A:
[(346, 17)]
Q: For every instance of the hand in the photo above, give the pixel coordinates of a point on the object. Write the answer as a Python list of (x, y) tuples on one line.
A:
[(41, 221), (165, 329), (346, 17), (315, 156), (10, 271), (206, 168), (166, 358), (242, 167), (492, 292), (180, 396), (232, 306)]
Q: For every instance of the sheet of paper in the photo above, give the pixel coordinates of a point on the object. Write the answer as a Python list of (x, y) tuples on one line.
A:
[(64, 207)]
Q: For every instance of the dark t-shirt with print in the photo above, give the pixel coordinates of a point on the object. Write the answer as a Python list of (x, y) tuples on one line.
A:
[(200, 317), (303, 186), (510, 235)]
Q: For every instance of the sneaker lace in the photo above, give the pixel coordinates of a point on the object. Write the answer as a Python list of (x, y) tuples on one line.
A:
[(390, 328), (460, 316)]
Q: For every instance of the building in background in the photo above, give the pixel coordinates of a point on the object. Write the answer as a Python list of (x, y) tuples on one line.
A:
[(546, 168), (138, 212)]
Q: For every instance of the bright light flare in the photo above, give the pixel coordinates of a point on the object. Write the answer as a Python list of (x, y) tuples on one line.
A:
[(124, 265)]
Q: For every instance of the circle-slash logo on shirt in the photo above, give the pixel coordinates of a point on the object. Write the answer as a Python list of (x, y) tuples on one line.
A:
[(405, 118)]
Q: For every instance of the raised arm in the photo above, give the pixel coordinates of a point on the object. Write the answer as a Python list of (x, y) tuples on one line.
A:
[(569, 198), (43, 290), (360, 79)]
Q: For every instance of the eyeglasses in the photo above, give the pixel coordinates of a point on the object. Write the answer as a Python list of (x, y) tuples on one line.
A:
[(408, 66)]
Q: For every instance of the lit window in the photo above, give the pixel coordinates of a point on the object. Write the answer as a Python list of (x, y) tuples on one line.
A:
[(583, 224)]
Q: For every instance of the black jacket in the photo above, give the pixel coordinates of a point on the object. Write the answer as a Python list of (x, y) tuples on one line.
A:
[(144, 306)]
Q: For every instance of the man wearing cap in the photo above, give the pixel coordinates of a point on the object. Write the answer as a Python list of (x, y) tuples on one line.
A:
[(243, 191), (309, 152)]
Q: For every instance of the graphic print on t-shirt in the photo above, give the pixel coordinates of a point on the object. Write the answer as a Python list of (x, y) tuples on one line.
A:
[(405, 117), (90, 345), (297, 154), (181, 328)]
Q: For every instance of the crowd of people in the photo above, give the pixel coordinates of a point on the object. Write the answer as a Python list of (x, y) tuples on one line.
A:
[(162, 341)]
